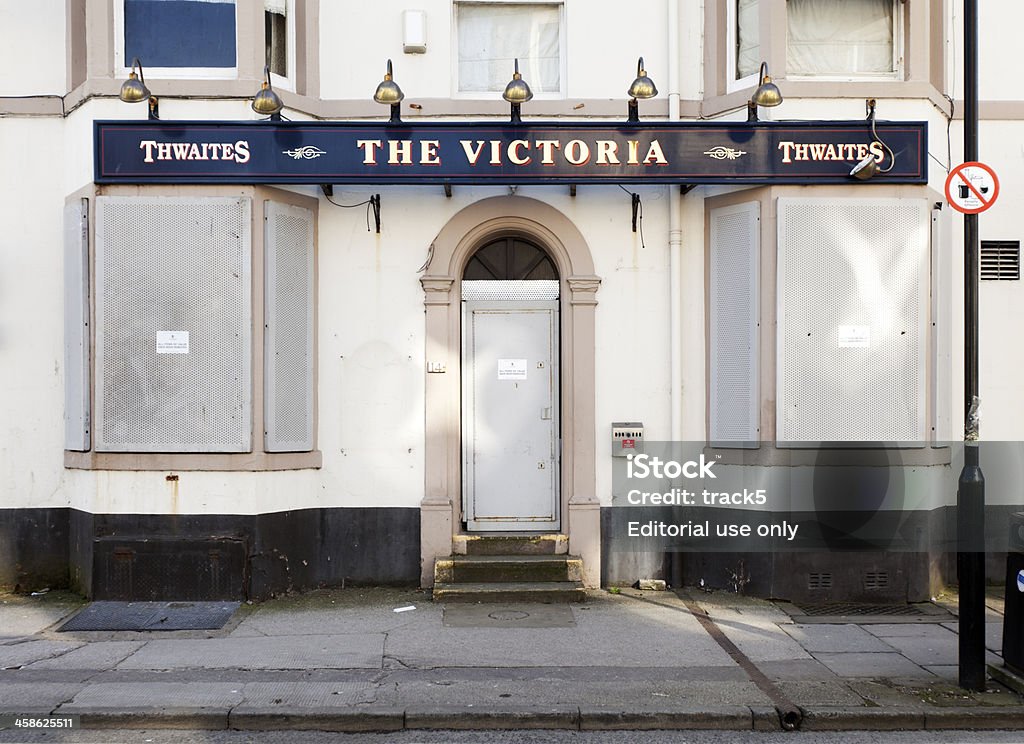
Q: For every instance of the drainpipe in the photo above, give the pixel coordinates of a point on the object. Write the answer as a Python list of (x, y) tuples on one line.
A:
[(675, 244), (675, 238)]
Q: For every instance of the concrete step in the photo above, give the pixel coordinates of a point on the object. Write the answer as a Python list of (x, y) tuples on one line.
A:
[(510, 544), (547, 591), (459, 569)]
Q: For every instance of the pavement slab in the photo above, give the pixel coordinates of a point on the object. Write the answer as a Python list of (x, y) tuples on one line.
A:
[(354, 651), (759, 638), (836, 638), (820, 692), (927, 650), (17, 698), (280, 695), (15, 656), (155, 696), (612, 631), (882, 665), (22, 615), (100, 655)]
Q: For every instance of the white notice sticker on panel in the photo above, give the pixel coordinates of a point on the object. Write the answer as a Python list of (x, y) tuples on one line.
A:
[(854, 336), (511, 369), (172, 342)]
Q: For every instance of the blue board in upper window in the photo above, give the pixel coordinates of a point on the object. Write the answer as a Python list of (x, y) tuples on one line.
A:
[(180, 33)]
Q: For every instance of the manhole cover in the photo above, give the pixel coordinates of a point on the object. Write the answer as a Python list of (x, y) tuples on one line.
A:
[(152, 616), (860, 610), (508, 615), (526, 615)]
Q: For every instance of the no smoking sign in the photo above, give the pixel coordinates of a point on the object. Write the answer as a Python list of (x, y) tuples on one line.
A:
[(972, 188)]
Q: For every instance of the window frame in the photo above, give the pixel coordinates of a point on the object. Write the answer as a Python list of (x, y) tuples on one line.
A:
[(459, 94), (258, 457), (122, 66), (898, 54), (286, 82), (732, 83)]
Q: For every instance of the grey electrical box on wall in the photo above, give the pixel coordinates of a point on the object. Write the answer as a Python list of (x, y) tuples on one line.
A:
[(627, 438)]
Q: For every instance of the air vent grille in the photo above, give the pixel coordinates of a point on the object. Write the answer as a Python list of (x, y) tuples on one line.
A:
[(819, 581), (1000, 260), (876, 580)]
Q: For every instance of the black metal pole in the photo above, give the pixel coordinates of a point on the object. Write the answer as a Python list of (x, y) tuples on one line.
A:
[(971, 494)]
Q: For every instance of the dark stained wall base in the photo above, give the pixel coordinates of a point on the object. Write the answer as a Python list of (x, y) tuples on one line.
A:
[(33, 549), (202, 557), (818, 576)]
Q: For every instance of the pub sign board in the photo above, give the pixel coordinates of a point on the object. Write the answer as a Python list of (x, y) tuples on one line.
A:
[(267, 152)]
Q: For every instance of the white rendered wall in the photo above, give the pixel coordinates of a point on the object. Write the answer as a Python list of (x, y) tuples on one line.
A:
[(32, 37), (603, 39), (31, 314)]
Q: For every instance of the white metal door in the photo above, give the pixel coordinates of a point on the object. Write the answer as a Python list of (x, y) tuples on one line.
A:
[(510, 415)]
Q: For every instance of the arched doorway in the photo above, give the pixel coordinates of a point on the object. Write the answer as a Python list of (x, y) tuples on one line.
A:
[(511, 436), (473, 227)]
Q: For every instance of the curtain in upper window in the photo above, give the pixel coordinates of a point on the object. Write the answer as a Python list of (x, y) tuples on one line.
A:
[(748, 38), (491, 36), (852, 37)]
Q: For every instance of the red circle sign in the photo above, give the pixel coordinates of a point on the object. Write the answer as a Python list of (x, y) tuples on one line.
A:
[(972, 188)]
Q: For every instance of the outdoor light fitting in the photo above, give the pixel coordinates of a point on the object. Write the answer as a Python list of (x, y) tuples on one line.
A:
[(266, 101), (642, 87), (767, 93), (390, 94), (868, 167), (517, 92), (134, 90)]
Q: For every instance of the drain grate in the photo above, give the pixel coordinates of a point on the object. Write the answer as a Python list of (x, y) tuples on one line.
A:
[(859, 610), (152, 616)]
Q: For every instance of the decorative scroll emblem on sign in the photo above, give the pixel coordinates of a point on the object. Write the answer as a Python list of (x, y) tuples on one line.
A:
[(724, 153), (305, 153)]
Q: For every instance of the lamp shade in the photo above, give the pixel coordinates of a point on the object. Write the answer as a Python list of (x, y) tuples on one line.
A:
[(388, 91), (134, 90), (266, 101), (517, 91), (643, 86)]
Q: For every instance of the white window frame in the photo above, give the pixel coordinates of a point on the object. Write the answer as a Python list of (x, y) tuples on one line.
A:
[(122, 66), (286, 82), (898, 12), (731, 39), (560, 94)]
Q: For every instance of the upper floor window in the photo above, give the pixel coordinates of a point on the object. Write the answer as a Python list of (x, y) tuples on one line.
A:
[(279, 39), (851, 38), (491, 35), (177, 38), (744, 42)]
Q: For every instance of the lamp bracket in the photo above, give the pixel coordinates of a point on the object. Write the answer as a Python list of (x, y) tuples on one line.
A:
[(686, 188), (327, 188), (448, 189), (636, 207), (375, 204)]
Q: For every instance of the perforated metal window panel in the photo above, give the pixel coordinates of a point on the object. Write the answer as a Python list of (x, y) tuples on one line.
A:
[(734, 313), (289, 328), (852, 318), (173, 264), (510, 289), (76, 326)]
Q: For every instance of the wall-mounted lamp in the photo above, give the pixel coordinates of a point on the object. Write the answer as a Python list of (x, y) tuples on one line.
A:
[(389, 93), (266, 101), (767, 93), (134, 90), (517, 92), (642, 87), (868, 167)]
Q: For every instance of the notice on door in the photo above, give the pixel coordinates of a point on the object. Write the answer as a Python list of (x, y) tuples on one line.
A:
[(511, 369), (172, 342)]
